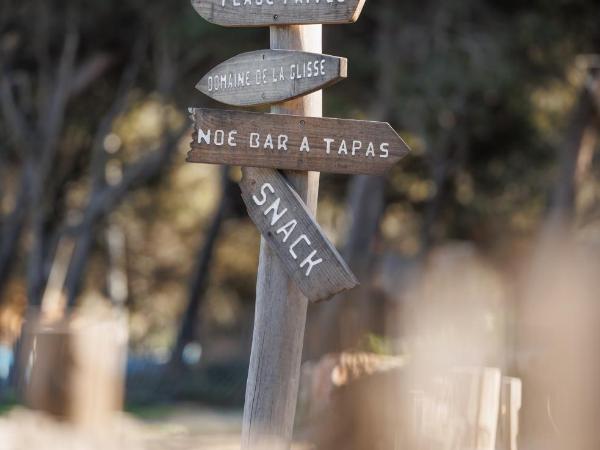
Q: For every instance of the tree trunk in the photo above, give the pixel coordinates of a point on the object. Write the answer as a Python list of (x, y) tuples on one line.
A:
[(107, 198), (341, 322), (563, 201), (11, 232), (199, 278), (338, 324)]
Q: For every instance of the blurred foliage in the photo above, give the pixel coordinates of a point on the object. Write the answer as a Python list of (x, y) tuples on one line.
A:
[(379, 345), (480, 89)]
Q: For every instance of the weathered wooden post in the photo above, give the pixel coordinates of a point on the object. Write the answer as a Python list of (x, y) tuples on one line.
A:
[(297, 263), (280, 313)]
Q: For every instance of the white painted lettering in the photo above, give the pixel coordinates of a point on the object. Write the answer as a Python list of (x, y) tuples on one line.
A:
[(287, 229), (328, 142), (202, 136), (302, 237), (276, 213), (304, 147), (268, 142), (231, 138), (311, 262), (282, 142), (263, 191), (384, 148), (371, 150), (219, 137)]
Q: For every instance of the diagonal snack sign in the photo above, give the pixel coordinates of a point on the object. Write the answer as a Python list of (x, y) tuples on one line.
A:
[(282, 218), (264, 142)]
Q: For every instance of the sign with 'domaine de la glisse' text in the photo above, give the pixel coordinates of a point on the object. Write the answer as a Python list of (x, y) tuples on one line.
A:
[(256, 13), (271, 76), (293, 142), (283, 220)]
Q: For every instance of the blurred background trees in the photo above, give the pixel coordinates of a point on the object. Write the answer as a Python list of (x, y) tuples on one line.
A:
[(498, 99)]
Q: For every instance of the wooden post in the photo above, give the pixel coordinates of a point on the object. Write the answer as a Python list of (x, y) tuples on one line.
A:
[(280, 316)]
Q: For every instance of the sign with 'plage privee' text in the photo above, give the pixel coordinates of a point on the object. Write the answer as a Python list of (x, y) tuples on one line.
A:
[(256, 13), (283, 141)]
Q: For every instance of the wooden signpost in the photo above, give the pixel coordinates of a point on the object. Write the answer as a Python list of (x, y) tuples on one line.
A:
[(283, 219), (297, 262), (295, 143), (260, 13), (271, 76)]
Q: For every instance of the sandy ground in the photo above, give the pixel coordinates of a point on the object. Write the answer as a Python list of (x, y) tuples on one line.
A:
[(178, 428), (182, 428)]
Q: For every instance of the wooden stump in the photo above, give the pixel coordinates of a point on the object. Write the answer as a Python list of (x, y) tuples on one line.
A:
[(74, 368)]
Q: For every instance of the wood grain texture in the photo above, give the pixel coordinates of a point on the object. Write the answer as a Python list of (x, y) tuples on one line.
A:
[(257, 13), (295, 143), (285, 223), (280, 313), (270, 76)]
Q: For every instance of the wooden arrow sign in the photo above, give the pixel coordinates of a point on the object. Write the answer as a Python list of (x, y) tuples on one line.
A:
[(271, 76), (294, 142), (258, 13), (282, 218)]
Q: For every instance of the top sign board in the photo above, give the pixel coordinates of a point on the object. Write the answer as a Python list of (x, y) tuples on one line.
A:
[(259, 13)]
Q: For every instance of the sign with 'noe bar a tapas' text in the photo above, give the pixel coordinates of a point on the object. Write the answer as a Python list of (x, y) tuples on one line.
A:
[(271, 76), (257, 13), (285, 223), (294, 142)]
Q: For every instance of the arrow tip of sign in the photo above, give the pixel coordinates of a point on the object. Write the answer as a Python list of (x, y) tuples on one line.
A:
[(405, 146), (201, 86)]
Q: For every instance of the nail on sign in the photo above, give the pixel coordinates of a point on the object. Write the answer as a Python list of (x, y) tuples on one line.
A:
[(294, 142), (283, 220), (271, 76), (257, 13)]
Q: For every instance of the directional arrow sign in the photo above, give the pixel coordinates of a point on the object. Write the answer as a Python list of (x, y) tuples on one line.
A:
[(282, 218), (257, 13), (271, 76), (294, 142)]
